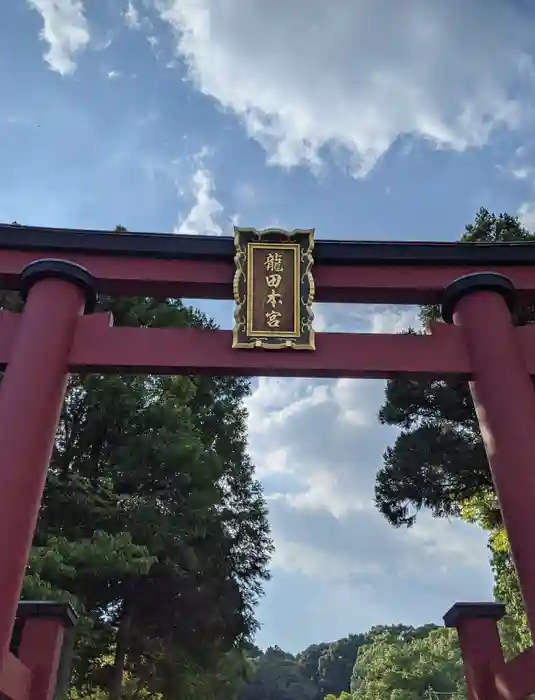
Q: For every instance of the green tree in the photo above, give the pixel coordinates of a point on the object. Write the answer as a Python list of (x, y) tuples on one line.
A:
[(278, 676), (336, 664), (438, 461), (392, 661), (407, 670), (308, 661), (329, 666)]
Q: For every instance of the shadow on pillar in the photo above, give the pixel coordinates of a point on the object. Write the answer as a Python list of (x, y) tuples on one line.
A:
[(38, 666)]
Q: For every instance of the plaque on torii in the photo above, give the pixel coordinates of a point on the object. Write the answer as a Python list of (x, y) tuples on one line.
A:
[(273, 289)]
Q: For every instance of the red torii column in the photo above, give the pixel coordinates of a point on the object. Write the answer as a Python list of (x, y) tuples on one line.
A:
[(31, 397), (481, 304), (481, 649)]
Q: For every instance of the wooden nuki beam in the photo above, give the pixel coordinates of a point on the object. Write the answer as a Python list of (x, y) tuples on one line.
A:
[(100, 347)]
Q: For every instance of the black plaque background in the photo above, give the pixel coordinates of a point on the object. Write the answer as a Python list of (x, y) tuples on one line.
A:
[(261, 290)]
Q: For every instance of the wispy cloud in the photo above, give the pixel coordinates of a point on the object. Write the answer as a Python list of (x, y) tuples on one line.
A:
[(205, 214), (66, 31), (131, 16)]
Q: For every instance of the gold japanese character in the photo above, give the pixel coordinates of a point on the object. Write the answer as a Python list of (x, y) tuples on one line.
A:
[(273, 319), (274, 262), (274, 298), (273, 281)]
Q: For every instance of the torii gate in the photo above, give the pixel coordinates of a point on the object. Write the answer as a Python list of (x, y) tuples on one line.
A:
[(60, 272)]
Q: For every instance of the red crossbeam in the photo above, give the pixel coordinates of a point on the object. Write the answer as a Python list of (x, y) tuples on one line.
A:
[(100, 347), (105, 349), (200, 279)]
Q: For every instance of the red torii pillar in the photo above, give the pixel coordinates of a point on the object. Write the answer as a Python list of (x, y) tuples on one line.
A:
[(31, 397), (481, 649), (481, 304)]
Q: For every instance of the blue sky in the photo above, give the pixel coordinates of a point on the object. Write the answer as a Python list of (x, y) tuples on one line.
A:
[(364, 119)]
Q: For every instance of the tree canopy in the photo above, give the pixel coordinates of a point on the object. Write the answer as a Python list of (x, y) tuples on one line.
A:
[(397, 661), (409, 668)]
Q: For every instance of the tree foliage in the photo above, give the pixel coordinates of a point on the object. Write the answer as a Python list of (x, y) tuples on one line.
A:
[(409, 669), (277, 676), (336, 663), (395, 661)]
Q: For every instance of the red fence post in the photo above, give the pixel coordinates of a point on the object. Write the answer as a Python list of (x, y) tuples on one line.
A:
[(502, 389), (31, 397), (42, 642), (481, 649)]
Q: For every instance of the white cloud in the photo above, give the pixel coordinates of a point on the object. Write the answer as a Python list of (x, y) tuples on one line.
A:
[(520, 173), (526, 213), (65, 30), (304, 78), (332, 565), (206, 211), (317, 446), (131, 16), (519, 166), (346, 318)]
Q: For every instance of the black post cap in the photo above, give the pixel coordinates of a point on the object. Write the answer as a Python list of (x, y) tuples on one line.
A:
[(62, 270), (476, 282), (460, 612), (49, 610)]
